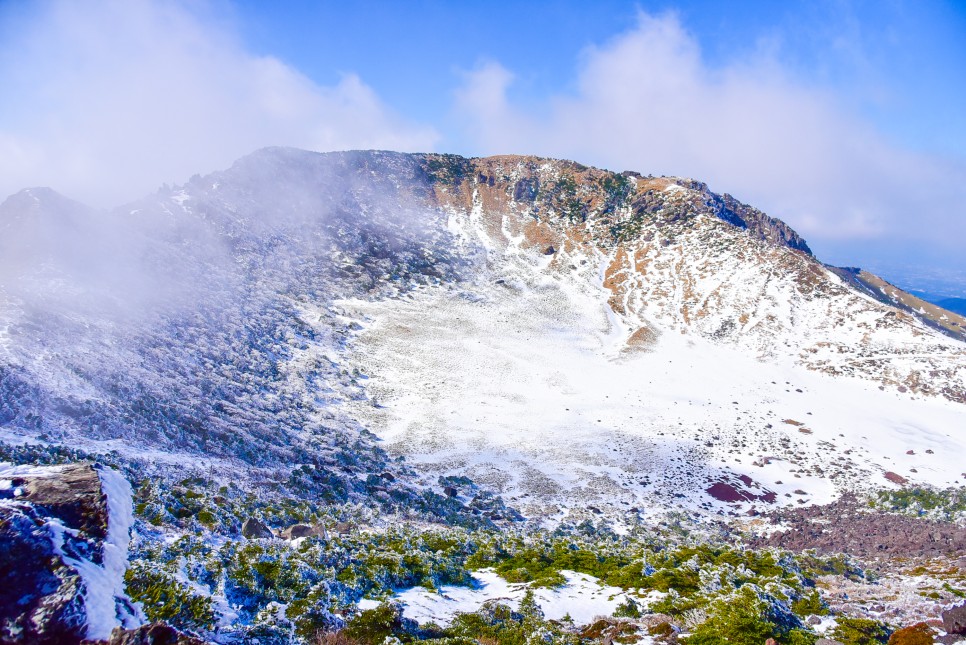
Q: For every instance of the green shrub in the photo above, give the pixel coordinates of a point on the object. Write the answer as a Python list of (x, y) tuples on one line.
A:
[(860, 631), (376, 625), (628, 609), (166, 599), (748, 618)]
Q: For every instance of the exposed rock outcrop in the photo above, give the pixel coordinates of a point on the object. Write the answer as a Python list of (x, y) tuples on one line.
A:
[(62, 553)]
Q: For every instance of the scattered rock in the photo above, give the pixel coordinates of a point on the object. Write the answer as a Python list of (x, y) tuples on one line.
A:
[(254, 529), (954, 619), (862, 532)]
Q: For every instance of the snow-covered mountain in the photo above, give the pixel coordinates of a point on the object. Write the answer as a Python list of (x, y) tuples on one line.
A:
[(331, 377), (562, 335)]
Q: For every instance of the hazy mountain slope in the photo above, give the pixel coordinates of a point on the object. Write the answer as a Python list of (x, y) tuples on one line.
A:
[(200, 355), (269, 315)]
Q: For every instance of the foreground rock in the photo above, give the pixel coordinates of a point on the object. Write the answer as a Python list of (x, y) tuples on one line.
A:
[(63, 551)]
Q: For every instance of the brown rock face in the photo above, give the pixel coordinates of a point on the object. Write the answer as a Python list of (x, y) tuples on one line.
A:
[(73, 494)]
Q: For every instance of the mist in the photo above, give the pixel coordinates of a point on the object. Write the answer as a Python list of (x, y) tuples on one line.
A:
[(110, 99), (278, 221)]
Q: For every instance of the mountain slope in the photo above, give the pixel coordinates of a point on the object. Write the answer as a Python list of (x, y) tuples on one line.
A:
[(294, 285), (312, 367)]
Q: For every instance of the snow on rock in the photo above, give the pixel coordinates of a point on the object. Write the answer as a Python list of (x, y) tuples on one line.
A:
[(85, 513), (107, 602)]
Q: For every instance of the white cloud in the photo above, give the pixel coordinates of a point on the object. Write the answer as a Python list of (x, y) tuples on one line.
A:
[(647, 101), (105, 100)]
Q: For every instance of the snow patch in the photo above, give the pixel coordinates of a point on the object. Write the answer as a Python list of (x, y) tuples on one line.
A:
[(583, 597)]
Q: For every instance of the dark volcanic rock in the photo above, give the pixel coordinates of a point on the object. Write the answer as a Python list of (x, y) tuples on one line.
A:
[(253, 529), (40, 599), (298, 531)]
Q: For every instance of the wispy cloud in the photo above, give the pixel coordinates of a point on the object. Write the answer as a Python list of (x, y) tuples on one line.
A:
[(105, 100), (647, 100)]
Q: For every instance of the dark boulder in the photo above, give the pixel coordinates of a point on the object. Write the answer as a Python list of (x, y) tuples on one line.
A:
[(253, 529), (298, 531), (40, 596)]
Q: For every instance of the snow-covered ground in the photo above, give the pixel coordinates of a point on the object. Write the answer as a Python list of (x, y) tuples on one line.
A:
[(526, 383), (583, 598)]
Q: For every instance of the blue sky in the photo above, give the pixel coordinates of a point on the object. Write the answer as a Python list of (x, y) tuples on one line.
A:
[(902, 64), (845, 119)]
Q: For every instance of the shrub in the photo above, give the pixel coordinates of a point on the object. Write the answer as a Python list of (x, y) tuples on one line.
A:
[(376, 625), (628, 609), (859, 631), (166, 599), (746, 618), (918, 634)]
